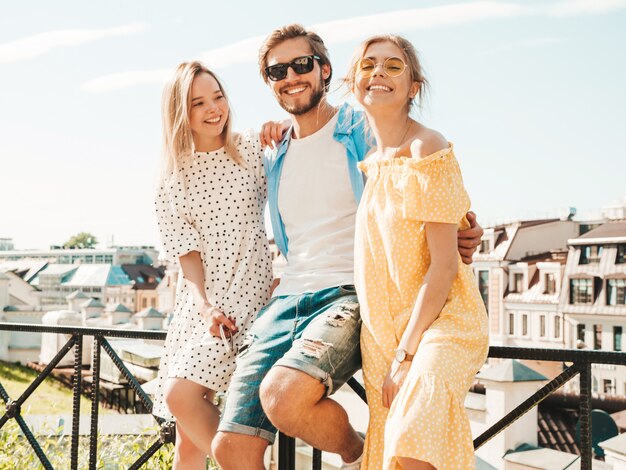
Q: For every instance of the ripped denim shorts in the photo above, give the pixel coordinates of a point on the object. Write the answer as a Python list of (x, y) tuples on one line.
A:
[(317, 333)]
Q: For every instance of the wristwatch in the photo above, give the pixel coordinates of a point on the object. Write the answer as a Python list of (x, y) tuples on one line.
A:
[(401, 355)]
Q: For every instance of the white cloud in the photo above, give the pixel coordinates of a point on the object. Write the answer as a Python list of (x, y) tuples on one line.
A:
[(236, 53), (335, 32), (351, 29), (38, 44), (583, 7), (118, 81)]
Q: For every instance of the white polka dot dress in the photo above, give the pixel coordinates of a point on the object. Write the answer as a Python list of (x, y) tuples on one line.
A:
[(427, 419), (214, 206)]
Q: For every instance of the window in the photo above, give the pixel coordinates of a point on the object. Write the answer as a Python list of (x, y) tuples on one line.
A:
[(152, 302), (580, 332), (597, 336), (518, 282), (557, 327), (608, 386), (621, 254), (483, 286), (484, 246), (108, 259), (617, 338), (525, 324), (549, 283), (616, 293), (511, 324), (144, 302), (590, 254), (542, 326), (581, 291)]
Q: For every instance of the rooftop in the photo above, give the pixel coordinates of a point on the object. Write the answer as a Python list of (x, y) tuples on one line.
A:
[(510, 370), (608, 232)]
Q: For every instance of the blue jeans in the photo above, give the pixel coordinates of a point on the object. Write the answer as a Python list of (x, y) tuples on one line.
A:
[(316, 333)]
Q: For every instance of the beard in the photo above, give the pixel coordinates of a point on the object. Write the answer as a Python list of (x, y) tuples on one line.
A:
[(296, 110)]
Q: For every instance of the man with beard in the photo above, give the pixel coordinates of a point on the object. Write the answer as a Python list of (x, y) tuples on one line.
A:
[(305, 342)]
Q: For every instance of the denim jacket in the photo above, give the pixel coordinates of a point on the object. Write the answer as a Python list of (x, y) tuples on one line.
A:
[(349, 131)]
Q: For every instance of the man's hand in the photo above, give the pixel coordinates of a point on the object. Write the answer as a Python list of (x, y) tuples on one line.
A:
[(272, 132), (469, 239), (394, 380), (274, 285), (215, 317)]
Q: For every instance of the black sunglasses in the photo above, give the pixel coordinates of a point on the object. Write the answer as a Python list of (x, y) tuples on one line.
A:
[(300, 65)]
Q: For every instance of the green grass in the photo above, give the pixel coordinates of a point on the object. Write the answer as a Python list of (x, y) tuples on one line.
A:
[(114, 452), (51, 397)]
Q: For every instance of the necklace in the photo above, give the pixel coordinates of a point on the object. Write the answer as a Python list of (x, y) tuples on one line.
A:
[(406, 131)]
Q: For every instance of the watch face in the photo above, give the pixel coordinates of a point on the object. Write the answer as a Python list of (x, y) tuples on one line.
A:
[(400, 355)]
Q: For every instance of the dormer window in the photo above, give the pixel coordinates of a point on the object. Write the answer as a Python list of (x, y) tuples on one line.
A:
[(518, 282), (616, 292), (581, 291), (549, 283), (590, 254), (485, 246)]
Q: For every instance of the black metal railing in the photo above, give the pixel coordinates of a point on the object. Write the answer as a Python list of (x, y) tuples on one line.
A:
[(76, 334), (580, 364)]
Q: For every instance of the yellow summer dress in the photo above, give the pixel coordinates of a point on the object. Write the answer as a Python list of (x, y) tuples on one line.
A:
[(427, 419)]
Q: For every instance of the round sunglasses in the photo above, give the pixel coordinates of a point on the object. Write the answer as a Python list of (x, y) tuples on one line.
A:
[(300, 65), (392, 67)]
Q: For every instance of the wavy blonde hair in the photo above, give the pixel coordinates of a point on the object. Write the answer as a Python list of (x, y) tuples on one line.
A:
[(175, 106)]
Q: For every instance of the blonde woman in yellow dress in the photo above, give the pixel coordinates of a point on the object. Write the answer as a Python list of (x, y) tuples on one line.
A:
[(424, 332)]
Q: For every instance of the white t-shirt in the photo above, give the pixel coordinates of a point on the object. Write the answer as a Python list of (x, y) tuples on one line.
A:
[(318, 209)]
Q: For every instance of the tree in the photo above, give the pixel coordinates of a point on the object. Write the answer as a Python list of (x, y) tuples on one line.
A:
[(81, 240)]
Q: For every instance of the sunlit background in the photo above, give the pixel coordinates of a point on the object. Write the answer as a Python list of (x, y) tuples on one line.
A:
[(532, 94)]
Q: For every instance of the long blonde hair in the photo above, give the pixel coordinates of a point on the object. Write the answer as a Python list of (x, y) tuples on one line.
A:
[(175, 105)]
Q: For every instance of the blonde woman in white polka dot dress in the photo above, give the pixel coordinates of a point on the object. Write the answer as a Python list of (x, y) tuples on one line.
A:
[(424, 332), (210, 215)]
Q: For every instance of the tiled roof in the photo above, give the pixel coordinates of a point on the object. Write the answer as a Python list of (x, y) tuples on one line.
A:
[(92, 303), (150, 312), (608, 230), (533, 295), (557, 428), (142, 273), (118, 308)]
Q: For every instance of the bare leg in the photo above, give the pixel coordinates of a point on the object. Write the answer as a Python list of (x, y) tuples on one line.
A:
[(296, 404), (236, 451), (186, 455), (192, 405), (412, 464)]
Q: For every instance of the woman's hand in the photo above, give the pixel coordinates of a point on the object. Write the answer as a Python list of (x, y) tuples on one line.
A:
[(394, 380), (215, 317), (272, 132)]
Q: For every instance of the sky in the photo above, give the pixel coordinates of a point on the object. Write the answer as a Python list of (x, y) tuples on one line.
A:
[(531, 93)]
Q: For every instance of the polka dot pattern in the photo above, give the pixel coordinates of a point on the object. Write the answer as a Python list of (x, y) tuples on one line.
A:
[(427, 420), (214, 206)]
